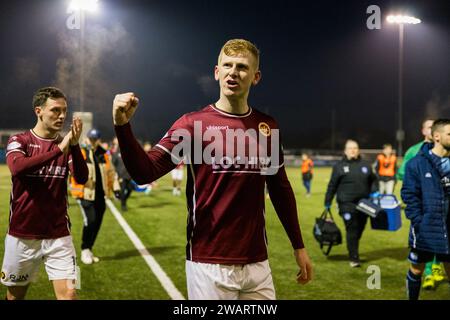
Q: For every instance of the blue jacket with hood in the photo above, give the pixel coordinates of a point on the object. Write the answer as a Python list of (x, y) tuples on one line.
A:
[(427, 205)]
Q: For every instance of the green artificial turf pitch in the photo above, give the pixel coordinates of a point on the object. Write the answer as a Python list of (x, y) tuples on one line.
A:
[(159, 220)]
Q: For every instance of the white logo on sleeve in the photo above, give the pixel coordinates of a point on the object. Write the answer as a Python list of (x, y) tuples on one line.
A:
[(428, 175), (13, 145), (413, 256)]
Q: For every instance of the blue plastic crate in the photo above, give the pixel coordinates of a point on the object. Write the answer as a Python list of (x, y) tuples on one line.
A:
[(390, 218)]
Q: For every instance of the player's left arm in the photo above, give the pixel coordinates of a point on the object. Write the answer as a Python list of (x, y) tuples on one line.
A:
[(283, 200), (77, 163)]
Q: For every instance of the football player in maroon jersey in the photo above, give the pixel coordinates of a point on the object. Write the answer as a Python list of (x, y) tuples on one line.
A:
[(39, 226), (226, 251)]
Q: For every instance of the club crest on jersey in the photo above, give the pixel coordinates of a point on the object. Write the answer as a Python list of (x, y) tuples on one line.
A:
[(364, 170), (346, 169), (264, 129), (13, 145)]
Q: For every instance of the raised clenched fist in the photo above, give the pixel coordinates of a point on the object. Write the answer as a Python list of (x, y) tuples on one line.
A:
[(124, 106)]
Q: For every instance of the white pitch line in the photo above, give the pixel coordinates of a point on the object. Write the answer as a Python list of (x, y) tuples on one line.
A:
[(151, 262)]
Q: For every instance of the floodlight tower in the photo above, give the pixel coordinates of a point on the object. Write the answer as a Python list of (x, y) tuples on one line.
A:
[(401, 20)]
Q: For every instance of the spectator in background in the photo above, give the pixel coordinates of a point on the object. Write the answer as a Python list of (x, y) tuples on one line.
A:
[(91, 195), (352, 179), (386, 169), (412, 151), (125, 181), (147, 146), (177, 178), (307, 172), (426, 193)]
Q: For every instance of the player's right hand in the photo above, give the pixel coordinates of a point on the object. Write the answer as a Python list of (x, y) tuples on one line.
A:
[(305, 274), (124, 106), (65, 143)]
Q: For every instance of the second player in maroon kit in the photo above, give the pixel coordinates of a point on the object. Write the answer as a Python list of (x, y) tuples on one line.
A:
[(39, 227), (39, 171)]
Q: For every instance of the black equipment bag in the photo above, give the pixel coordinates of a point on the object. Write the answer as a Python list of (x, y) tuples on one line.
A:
[(327, 232)]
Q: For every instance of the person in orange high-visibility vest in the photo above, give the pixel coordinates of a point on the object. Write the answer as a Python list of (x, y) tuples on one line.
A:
[(307, 173), (102, 182), (386, 169)]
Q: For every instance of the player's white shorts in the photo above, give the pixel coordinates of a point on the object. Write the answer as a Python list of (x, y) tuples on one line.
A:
[(177, 174), (23, 257), (251, 281)]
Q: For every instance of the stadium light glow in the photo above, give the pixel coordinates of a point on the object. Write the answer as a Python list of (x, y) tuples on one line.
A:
[(402, 19), (84, 5)]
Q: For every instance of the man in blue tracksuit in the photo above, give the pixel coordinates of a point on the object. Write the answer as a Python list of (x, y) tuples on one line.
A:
[(426, 193)]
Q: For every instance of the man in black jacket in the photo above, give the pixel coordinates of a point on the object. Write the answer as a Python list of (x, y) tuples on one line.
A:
[(352, 179)]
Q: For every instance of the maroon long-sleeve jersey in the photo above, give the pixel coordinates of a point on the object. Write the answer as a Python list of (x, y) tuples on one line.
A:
[(225, 186), (38, 200)]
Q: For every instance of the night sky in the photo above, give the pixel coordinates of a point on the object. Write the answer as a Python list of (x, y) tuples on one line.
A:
[(315, 57)]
